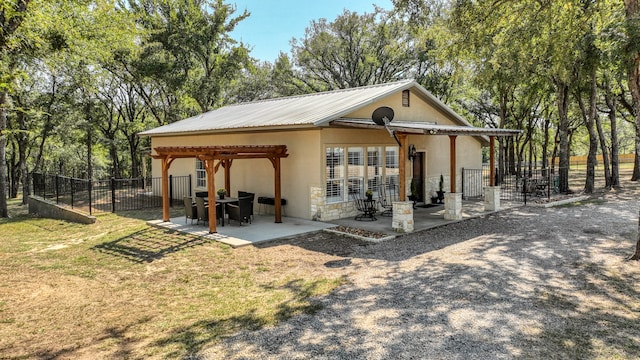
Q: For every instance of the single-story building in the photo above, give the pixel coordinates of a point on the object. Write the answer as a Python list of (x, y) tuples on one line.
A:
[(322, 146)]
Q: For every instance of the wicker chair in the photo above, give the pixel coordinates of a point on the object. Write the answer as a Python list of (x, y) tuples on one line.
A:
[(190, 210), (240, 212), (203, 211), (242, 194)]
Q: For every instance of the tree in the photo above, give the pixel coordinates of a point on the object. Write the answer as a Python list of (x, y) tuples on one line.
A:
[(632, 51), (355, 50), (188, 54), (12, 15)]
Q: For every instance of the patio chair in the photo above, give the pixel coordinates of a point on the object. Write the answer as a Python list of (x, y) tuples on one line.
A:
[(388, 194), (366, 207), (190, 209), (248, 194), (203, 211), (240, 212)]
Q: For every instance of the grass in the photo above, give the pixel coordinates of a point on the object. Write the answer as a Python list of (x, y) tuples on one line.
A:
[(119, 288)]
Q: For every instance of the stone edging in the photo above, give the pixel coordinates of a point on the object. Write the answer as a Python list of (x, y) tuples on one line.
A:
[(562, 202), (360, 237)]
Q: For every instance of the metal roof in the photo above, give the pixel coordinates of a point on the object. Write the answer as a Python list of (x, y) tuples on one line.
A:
[(314, 109)]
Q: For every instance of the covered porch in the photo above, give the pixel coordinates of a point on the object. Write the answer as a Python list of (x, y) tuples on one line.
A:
[(264, 229)]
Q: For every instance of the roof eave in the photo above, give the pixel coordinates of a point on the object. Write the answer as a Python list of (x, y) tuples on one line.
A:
[(229, 130)]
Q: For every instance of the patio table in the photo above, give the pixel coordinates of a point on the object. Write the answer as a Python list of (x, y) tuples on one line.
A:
[(226, 200)]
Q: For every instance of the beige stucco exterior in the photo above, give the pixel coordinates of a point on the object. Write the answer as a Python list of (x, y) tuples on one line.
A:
[(303, 171)]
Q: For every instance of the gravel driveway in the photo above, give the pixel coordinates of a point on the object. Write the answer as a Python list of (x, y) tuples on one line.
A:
[(523, 283)]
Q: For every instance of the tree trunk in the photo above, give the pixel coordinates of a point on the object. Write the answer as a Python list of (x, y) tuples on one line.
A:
[(636, 255), (563, 134), (589, 119), (605, 152), (633, 73), (13, 169), (545, 147), (615, 169), (4, 212)]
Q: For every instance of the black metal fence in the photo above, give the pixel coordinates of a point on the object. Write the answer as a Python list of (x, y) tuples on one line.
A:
[(530, 184), (112, 195)]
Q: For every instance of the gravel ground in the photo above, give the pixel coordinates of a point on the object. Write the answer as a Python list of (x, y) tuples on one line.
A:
[(529, 282)]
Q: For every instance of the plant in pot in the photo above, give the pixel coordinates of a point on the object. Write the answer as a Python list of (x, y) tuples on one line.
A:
[(221, 193), (441, 190), (414, 192), (434, 197), (369, 194)]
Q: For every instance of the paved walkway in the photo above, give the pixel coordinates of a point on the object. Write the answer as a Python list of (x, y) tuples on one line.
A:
[(262, 229)]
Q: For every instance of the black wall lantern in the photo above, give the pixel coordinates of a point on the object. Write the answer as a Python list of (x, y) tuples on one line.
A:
[(412, 152)]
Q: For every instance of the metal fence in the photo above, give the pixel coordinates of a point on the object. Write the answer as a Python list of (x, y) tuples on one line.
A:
[(536, 183), (112, 195)]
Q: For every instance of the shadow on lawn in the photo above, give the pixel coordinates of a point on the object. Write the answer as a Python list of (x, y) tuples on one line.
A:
[(148, 245), (190, 340)]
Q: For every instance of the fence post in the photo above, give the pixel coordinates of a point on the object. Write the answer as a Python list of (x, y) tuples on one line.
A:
[(57, 185), (464, 197), (90, 187), (72, 189), (113, 194), (171, 190), (190, 190), (525, 185)]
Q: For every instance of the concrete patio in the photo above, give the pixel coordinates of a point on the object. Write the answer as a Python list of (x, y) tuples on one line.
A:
[(263, 228)]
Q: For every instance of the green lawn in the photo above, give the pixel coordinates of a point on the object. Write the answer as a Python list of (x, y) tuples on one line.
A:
[(119, 288)]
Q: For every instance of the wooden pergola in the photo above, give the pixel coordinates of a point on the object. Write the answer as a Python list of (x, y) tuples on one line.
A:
[(214, 156)]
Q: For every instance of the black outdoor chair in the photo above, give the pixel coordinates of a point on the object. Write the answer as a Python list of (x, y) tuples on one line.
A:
[(242, 194), (190, 209), (203, 211), (366, 207), (240, 212), (388, 194)]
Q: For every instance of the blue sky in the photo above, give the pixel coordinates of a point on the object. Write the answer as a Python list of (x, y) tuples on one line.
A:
[(273, 23)]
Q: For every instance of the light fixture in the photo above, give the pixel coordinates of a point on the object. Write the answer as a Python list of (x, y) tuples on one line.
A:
[(412, 152)]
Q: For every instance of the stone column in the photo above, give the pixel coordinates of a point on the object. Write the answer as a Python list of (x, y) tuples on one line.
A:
[(492, 198), (453, 206), (402, 220)]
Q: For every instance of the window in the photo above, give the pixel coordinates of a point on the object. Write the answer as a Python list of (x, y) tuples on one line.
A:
[(374, 168), (392, 168), (357, 169), (201, 174), (405, 98), (334, 173)]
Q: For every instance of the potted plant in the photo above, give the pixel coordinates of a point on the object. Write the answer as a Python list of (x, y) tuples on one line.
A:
[(441, 190), (434, 197), (221, 193), (369, 194), (414, 192)]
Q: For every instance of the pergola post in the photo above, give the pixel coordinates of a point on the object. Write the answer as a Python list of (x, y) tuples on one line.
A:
[(277, 190), (403, 166), (227, 175), (166, 215), (452, 163), (211, 198)]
